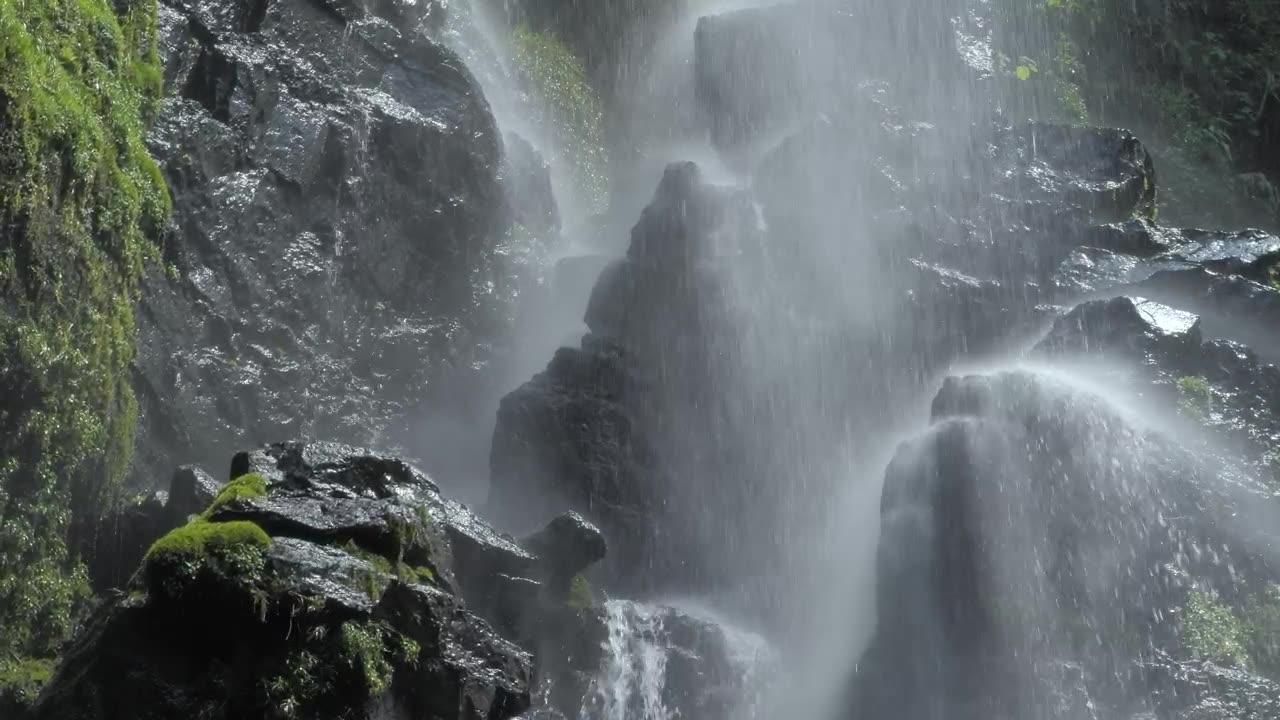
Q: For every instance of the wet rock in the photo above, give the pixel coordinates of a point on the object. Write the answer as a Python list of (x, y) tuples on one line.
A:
[(326, 492), (1034, 520), (1124, 324), (568, 545), (1201, 690), (340, 192), (350, 604), (191, 490), (584, 433)]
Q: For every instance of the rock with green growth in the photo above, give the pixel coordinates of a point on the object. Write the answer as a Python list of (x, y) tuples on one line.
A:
[(82, 206), (227, 621)]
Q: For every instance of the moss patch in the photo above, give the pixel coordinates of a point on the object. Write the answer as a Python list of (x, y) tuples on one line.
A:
[(1195, 397), (558, 82), (82, 205), (581, 596), (244, 487), (230, 553)]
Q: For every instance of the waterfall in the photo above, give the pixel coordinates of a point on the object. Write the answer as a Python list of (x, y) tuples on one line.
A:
[(644, 674), (633, 681)]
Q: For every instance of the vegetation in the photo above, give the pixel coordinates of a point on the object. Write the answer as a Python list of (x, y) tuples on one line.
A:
[(1212, 632), (363, 653), (21, 681), (244, 487), (556, 79), (1195, 397), (581, 597), (81, 208), (232, 552), (1200, 82)]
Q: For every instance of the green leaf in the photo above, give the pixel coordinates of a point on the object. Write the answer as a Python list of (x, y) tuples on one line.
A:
[(1024, 72)]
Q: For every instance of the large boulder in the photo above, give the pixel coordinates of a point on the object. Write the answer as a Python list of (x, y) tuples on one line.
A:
[(340, 191), (1034, 525), (324, 582)]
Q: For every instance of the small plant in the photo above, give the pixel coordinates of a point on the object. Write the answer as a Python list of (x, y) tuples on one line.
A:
[(1195, 397), (244, 487), (581, 596), (1210, 630), (21, 680), (364, 649)]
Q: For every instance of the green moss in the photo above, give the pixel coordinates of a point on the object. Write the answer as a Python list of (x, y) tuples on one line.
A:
[(21, 680), (1212, 632), (383, 569), (581, 596), (82, 205), (1195, 397), (557, 80), (231, 552), (244, 487)]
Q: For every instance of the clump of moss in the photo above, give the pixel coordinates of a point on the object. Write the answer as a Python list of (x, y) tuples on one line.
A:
[(384, 568), (557, 80), (233, 552), (21, 681), (1212, 632), (82, 205), (252, 485), (581, 596), (1194, 396)]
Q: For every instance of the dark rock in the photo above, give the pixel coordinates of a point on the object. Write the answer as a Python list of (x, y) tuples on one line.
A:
[(191, 490), (565, 547), (759, 69), (1034, 520), (325, 492), (1124, 324), (1201, 690), (340, 192), (352, 608)]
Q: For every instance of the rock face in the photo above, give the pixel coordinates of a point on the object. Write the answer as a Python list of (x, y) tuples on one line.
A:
[(325, 582), (339, 191), (1036, 526)]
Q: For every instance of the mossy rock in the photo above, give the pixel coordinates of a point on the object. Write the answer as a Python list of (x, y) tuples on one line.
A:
[(82, 206), (227, 554)]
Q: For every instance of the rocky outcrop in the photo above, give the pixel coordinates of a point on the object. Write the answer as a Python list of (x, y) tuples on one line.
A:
[(327, 581), (1036, 525), (323, 581), (340, 190)]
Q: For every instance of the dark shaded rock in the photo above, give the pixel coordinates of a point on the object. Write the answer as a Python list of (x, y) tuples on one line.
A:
[(1125, 325), (325, 492), (583, 434), (526, 183), (352, 608), (565, 547), (1201, 690), (340, 193), (1035, 521), (191, 490), (477, 675), (758, 70)]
